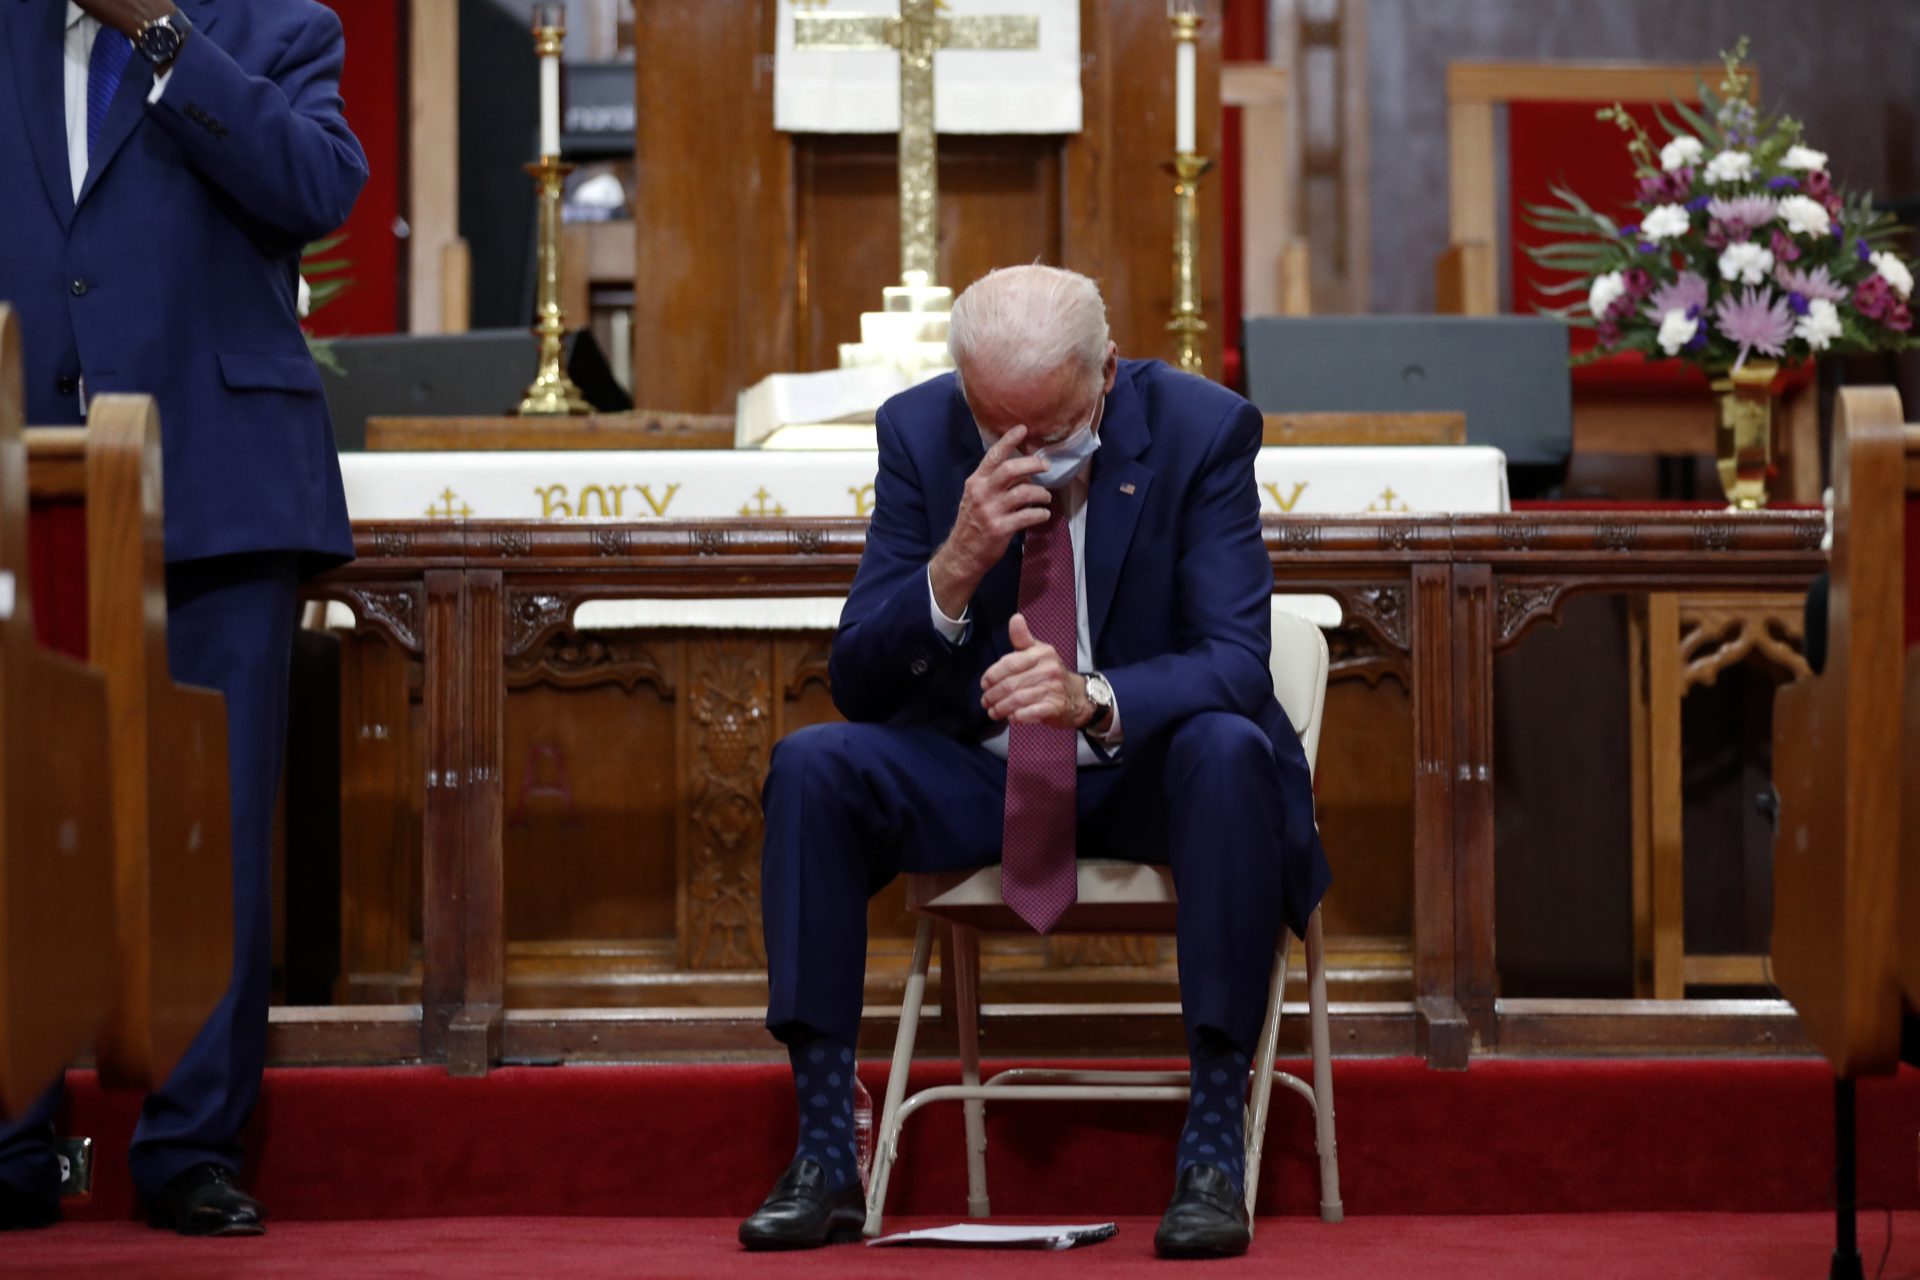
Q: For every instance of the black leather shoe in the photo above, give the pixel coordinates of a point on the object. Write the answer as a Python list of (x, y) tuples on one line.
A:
[(22, 1211), (1207, 1219), (800, 1213), (204, 1202)]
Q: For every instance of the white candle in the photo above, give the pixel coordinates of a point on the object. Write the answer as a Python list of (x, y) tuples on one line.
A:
[(1183, 96), (550, 104)]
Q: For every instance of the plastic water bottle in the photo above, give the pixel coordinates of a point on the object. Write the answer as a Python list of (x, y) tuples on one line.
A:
[(862, 1129)]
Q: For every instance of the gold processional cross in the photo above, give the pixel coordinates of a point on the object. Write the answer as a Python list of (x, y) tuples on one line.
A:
[(916, 33)]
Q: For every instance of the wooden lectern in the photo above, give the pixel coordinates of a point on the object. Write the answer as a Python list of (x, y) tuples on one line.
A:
[(173, 864), (1846, 759), (56, 834)]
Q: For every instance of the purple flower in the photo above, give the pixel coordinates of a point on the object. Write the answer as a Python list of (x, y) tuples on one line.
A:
[(1719, 236), (1608, 332), (1900, 319), (1648, 246), (1819, 184), (1784, 184), (1698, 203), (1743, 215), (1797, 302), (1784, 249), (1817, 283), (1874, 298), (1688, 293), (1861, 251), (1755, 320), (1638, 281), (1630, 230), (1666, 188)]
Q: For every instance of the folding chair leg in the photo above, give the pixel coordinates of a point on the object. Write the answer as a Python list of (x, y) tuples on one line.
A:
[(1323, 1131), (965, 990), (1262, 1093), (887, 1138)]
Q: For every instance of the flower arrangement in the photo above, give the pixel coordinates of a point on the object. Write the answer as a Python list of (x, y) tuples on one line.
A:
[(321, 280), (1744, 246)]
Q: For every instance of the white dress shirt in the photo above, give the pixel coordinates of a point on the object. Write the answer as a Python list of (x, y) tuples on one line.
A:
[(82, 28), (955, 630)]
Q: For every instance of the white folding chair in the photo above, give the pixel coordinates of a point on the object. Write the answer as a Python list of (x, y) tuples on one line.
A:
[(1114, 897)]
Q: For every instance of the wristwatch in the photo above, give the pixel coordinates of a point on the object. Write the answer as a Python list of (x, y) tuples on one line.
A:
[(159, 40), (1100, 694)]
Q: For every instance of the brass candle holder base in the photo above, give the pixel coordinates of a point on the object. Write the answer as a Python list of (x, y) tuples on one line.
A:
[(1186, 325), (552, 394)]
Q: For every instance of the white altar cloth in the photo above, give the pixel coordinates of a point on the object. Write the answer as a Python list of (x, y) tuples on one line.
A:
[(692, 484)]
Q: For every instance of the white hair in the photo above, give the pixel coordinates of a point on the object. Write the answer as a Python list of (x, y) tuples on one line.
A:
[(1019, 325)]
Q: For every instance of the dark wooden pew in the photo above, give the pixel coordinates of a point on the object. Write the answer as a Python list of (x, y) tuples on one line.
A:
[(1847, 771), (57, 979), (173, 868)]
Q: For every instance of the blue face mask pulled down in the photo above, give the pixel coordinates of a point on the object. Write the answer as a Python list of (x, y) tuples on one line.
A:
[(1065, 458)]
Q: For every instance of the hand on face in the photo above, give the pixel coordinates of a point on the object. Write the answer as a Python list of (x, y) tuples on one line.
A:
[(999, 501), (1032, 685)]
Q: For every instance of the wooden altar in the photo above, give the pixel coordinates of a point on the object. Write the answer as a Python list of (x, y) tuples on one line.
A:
[(464, 612)]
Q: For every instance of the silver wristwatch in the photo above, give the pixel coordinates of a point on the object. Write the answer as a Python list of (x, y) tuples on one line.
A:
[(1100, 694)]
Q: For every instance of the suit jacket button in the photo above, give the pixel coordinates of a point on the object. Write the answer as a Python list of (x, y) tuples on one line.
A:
[(80, 288), (919, 665), (67, 386)]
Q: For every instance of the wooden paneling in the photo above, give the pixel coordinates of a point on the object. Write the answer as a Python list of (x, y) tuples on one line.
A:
[(1428, 600), (757, 257)]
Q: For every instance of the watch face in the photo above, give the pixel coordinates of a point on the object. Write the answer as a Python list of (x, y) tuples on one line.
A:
[(160, 41)]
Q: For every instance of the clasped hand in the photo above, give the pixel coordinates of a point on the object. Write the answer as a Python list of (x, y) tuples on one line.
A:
[(1032, 685)]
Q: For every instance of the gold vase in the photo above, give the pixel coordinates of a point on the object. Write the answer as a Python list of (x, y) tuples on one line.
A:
[(1744, 437)]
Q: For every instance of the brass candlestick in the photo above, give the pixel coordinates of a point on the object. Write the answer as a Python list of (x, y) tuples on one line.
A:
[(1187, 325), (552, 393)]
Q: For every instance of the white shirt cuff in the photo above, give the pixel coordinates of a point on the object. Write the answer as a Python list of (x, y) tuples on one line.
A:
[(159, 86), (952, 630)]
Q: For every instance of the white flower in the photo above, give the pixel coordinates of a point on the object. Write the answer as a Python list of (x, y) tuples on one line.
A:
[(1805, 216), (306, 297), (1730, 166), (1680, 153), (1676, 331), (1666, 222), (1820, 326), (1799, 157), (1746, 262), (1894, 272), (1606, 291)]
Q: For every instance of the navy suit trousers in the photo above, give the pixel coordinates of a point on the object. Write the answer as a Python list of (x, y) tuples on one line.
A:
[(230, 622), (850, 806)]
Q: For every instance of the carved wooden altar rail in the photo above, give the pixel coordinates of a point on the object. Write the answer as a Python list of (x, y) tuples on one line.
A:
[(1432, 599)]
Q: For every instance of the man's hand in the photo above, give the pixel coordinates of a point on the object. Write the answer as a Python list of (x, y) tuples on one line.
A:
[(997, 502), (127, 15), (1032, 686)]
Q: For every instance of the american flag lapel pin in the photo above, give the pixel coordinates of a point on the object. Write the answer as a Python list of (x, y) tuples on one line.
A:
[(1127, 489)]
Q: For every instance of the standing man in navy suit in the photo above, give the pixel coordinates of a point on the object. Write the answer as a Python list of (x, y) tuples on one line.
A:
[(165, 162), (1058, 634)]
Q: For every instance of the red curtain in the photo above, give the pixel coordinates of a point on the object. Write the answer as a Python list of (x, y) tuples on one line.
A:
[(374, 87)]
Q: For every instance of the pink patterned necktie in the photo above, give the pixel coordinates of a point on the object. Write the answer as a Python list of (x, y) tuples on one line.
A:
[(1037, 877)]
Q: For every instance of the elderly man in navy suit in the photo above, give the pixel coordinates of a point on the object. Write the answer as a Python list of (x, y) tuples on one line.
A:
[(1058, 635), (165, 162)]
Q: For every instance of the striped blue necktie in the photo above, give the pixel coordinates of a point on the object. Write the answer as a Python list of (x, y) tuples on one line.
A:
[(111, 53)]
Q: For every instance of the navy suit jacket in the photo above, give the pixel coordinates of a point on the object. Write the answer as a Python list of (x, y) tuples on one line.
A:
[(1178, 580), (174, 274)]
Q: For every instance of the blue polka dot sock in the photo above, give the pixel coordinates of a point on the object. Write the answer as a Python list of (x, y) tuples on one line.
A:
[(823, 1081), (1216, 1121)]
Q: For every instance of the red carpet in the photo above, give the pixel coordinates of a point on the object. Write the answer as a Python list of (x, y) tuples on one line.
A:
[(1597, 1246), (1517, 1137)]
